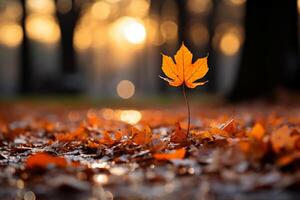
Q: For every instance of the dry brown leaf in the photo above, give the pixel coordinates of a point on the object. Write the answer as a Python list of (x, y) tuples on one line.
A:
[(178, 136)]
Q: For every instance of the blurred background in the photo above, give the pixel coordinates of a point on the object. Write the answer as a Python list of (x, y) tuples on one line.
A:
[(111, 48)]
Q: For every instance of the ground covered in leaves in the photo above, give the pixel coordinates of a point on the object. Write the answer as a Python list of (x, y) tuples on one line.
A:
[(247, 151)]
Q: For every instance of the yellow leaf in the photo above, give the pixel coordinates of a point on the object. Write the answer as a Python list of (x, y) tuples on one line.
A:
[(184, 71)]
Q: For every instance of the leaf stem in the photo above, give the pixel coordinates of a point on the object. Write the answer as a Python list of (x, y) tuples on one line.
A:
[(188, 109)]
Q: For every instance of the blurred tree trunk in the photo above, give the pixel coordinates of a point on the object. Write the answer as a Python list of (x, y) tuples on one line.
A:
[(182, 22), (25, 66), (67, 22), (211, 23), (270, 48)]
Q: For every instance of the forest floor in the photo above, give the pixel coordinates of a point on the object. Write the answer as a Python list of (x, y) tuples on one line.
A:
[(245, 151)]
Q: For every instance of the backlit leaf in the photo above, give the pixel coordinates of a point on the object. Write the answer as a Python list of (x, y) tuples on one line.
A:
[(184, 71)]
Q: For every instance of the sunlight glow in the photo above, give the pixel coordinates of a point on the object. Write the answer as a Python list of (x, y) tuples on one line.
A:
[(42, 28), (82, 38), (101, 178), (125, 89), (11, 34), (138, 8), (230, 44), (130, 116), (134, 31), (113, 1), (100, 10), (41, 6)]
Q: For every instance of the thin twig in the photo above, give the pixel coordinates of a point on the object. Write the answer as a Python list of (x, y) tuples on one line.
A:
[(188, 109)]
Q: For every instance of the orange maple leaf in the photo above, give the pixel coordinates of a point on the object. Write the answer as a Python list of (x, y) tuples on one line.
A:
[(184, 71)]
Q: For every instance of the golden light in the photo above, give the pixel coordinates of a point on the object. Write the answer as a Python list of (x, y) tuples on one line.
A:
[(169, 30), (130, 116), (237, 2), (101, 10), (127, 33), (138, 8), (64, 6), (134, 31), (107, 113), (199, 34), (40, 6), (100, 178), (82, 39), (42, 28), (199, 6), (153, 34), (125, 89), (230, 43), (112, 1), (99, 39), (298, 5), (11, 34)]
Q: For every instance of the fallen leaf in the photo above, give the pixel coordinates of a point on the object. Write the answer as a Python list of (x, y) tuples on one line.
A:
[(217, 131), (282, 139), (141, 137), (230, 126), (287, 159), (43, 160), (184, 71), (257, 132), (179, 136), (78, 134), (107, 140), (176, 154)]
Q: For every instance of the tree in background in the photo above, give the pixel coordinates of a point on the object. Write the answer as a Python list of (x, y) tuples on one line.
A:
[(270, 54)]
